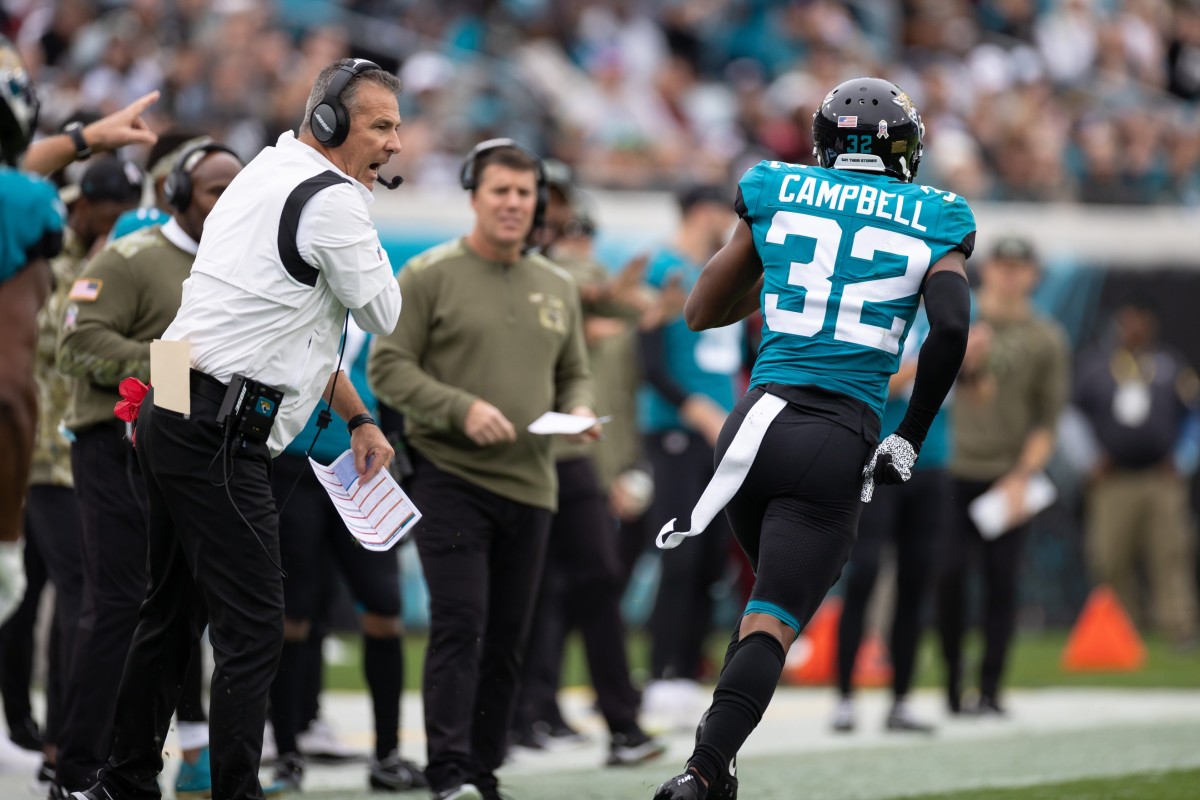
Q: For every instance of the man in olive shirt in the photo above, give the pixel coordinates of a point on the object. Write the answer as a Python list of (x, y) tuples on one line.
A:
[(125, 298), (490, 339), (583, 578), (1010, 392)]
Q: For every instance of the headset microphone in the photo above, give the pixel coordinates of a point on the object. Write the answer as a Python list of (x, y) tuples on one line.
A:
[(390, 183)]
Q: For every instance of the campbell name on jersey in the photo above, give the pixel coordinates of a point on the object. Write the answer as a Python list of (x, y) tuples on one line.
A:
[(844, 255)]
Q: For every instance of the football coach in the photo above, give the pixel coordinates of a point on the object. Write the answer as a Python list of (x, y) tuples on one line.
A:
[(287, 252)]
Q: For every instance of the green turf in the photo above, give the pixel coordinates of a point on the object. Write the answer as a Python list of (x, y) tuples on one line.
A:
[(1181, 785), (1034, 663)]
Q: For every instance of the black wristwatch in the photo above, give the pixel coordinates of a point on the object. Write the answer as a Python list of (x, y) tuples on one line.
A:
[(358, 420), (82, 149)]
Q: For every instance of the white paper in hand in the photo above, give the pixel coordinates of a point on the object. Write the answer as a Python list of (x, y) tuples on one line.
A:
[(377, 513), (555, 422), (989, 511)]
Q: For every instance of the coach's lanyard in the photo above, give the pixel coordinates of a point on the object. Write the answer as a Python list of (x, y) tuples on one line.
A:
[(730, 473)]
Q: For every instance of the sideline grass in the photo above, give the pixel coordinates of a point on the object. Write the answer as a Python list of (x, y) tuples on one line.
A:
[(1034, 663), (1181, 785)]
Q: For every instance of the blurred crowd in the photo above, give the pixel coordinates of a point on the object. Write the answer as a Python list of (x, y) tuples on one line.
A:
[(1025, 100)]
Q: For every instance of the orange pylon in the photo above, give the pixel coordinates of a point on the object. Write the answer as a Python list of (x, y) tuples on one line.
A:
[(813, 657), (1104, 639), (873, 666)]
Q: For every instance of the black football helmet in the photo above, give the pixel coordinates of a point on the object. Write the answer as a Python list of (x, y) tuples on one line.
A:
[(18, 104), (869, 124)]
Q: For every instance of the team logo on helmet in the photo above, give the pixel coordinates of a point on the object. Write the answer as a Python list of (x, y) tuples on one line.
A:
[(905, 102)]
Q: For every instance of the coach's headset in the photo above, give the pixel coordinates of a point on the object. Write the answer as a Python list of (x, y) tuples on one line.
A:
[(468, 176), (178, 186), (330, 121)]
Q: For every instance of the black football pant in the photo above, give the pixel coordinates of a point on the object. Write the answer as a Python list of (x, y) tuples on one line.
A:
[(482, 555), (795, 516), (683, 608), (1000, 560), (213, 550), (312, 538), (913, 517), (581, 586)]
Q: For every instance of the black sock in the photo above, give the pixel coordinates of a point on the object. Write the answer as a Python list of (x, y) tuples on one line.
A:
[(383, 666), (741, 697), (284, 693)]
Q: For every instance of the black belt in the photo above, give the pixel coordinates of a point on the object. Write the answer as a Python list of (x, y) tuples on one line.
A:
[(208, 387)]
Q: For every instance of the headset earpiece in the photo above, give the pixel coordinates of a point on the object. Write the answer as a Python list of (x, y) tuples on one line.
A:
[(330, 121), (469, 179), (178, 186)]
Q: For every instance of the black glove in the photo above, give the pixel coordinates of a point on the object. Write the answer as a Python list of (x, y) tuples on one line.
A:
[(891, 463)]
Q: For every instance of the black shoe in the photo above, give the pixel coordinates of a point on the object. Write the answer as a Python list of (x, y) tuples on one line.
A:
[(527, 738), (725, 787), (901, 720), (986, 707), (687, 786), (289, 774), (394, 774), (97, 792), (558, 734), (633, 748), (26, 735)]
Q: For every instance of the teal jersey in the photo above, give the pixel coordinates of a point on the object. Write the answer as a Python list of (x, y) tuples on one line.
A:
[(844, 256), (135, 219), (31, 220), (935, 451), (335, 439), (704, 362)]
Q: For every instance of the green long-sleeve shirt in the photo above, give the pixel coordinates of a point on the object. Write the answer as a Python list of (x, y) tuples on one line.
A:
[(1029, 363), (509, 334), (126, 297)]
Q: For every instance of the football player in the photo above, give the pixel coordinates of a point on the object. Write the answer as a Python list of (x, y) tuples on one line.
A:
[(31, 224), (838, 256)]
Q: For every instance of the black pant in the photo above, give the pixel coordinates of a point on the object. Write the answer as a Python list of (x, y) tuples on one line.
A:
[(52, 529), (112, 503), (581, 586), (213, 537), (1001, 562), (482, 555), (682, 615), (913, 517), (16, 642), (312, 537)]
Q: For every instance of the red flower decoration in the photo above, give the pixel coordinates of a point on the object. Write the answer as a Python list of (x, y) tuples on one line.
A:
[(133, 392)]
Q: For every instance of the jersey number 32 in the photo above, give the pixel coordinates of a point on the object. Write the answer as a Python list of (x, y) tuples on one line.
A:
[(815, 278)]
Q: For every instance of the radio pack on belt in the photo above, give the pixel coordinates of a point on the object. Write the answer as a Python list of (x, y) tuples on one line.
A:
[(249, 409)]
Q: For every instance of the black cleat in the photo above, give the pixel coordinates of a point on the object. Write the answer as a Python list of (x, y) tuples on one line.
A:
[(687, 786), (725, 787)]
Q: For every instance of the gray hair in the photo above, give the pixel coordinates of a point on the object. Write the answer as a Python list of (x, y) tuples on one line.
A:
[(350, 93)]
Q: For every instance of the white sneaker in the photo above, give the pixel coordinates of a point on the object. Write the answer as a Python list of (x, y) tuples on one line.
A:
[(319, 743), (843, 716)]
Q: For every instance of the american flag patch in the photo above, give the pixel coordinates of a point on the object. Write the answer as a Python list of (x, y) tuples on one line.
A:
[(847, 122), (85, 289)]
